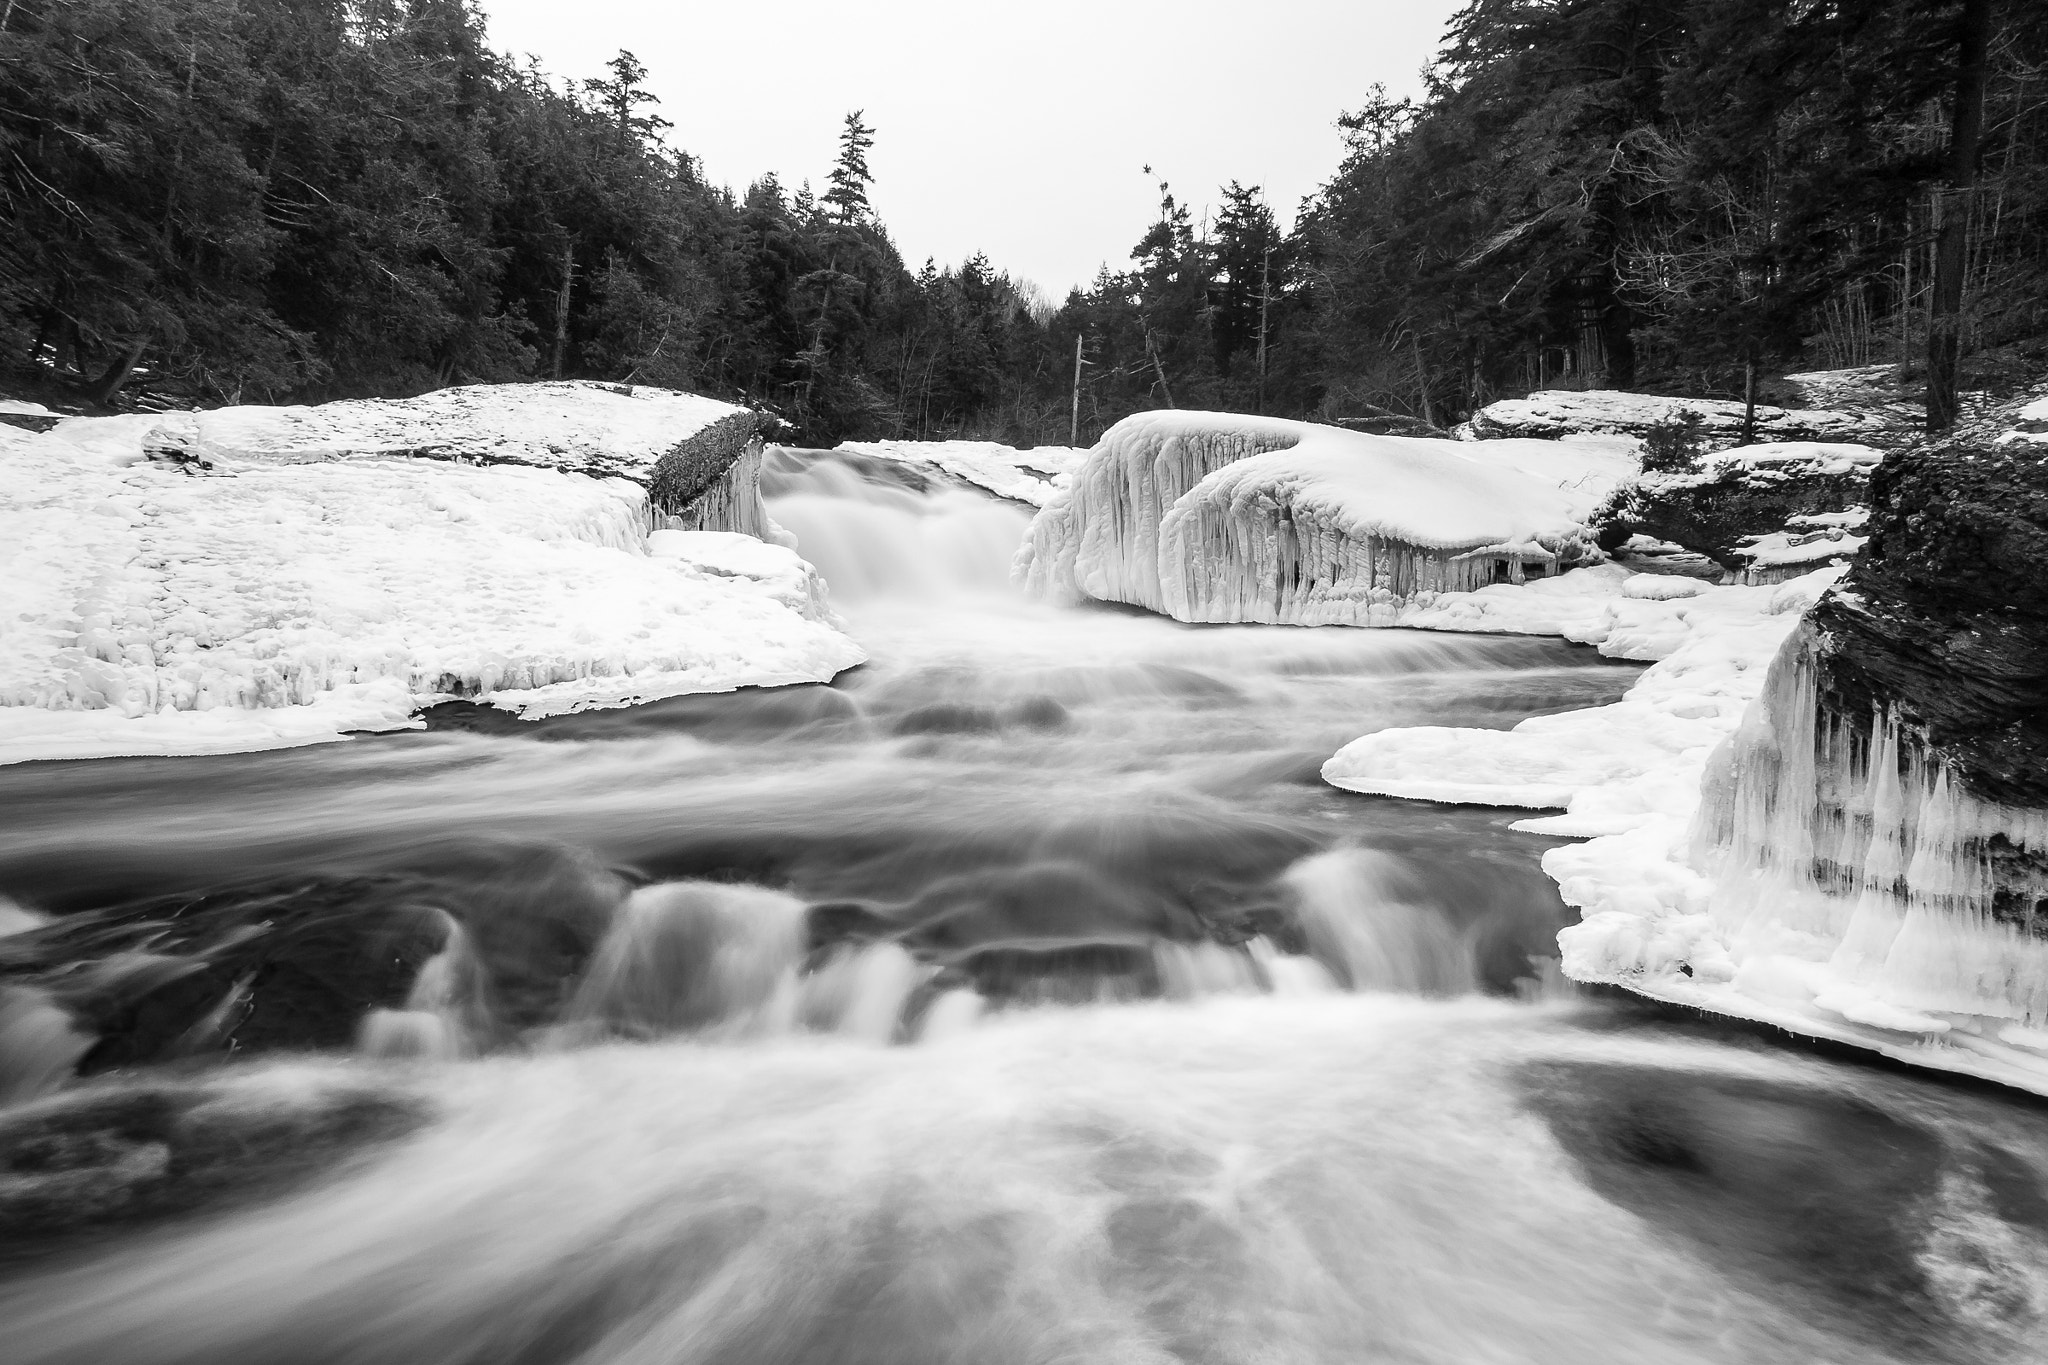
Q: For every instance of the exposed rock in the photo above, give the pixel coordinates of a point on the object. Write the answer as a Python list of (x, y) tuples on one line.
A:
[(1945, 616), (1728, 500)]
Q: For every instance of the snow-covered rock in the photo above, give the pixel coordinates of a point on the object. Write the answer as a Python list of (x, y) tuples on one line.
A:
[(1561, 412), (285, 594), (1723, 504), (1029, 476), (1224, 517)]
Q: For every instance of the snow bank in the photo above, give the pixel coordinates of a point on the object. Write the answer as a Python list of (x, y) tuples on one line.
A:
[(1611, 768), (157, 607), (1554, 413), (1030, 476), (1223, 517)]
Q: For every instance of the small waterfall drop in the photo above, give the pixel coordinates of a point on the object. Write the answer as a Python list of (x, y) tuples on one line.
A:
[(1370, 935), (443, 1014), (685, 957)]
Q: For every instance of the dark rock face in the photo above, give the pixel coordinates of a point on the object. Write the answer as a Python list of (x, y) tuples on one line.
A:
[(1945, 615), (689, 469), (1713, 515)]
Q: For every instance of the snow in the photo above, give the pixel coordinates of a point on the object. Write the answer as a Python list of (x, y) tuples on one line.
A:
[(1611, 768), (1031, 476), (1809, 540), (589, 428), (1224, 517), (1559, 412), (1790, 459), (153, 608)]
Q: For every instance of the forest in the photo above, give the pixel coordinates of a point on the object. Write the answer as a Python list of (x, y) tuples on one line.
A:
[(297, 200)]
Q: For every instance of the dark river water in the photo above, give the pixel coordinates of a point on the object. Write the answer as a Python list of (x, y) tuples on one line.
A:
[(1021, 997)]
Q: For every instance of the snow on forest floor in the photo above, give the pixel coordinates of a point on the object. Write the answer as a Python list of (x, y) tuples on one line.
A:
[(1028, 476), (156, 609)]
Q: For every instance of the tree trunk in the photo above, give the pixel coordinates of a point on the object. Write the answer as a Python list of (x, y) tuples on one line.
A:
[(1945, 304), (562, 305), (1074, 425), (1749, 400), (1158, 368), (117, 374)]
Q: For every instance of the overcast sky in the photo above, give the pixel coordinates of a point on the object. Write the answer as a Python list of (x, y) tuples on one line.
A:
[(1020, 130)]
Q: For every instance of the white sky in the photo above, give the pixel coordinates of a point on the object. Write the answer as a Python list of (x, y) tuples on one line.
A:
[(1015, 129)]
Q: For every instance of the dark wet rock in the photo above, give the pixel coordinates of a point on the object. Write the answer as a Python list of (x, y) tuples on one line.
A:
[(1908, 1235), (1062, 973), (1039, 713), (1067, 902), (245, 970), (1945, 615), (750, 715), (948, 718), (100, 1161), (295, 964)]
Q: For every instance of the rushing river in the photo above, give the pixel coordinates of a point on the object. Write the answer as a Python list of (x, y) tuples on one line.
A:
[(1021, 997)]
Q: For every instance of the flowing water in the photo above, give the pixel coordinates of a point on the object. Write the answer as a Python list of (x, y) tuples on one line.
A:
[(1021, 997)]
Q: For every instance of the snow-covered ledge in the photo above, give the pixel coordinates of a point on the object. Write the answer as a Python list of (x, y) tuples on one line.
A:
[(1223, 517), (255, 577)]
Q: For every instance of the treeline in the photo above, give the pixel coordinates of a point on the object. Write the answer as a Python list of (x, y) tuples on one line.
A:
[(211, 200)]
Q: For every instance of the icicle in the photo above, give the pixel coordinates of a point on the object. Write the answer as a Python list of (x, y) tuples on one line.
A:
[(1873, 863)]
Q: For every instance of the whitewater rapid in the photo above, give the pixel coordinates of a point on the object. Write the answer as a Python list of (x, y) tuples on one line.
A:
[(1022, 997)]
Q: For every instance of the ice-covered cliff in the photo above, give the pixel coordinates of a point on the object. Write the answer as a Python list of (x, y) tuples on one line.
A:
[(254, 577), (1224, 517)]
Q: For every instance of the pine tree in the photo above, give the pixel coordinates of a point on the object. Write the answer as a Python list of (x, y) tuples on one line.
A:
[(621, 97), (847, 198)]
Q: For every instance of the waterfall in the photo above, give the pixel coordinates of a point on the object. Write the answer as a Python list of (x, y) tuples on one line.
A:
[(443, 1014), (694, 956)]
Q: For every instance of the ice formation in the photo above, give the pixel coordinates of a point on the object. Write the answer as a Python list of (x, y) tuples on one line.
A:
[(1029, 476), (1836, 880), (1222, 517), (164, 597)]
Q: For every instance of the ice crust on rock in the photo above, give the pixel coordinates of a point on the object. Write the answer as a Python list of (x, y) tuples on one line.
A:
[(1558, 412), (155, 607), (1030, 476), (1224, 517), (577, 426)]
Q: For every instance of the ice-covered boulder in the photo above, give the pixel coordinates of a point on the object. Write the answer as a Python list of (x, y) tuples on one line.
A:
[(1562, 412), (163, 600), (1223, 517)]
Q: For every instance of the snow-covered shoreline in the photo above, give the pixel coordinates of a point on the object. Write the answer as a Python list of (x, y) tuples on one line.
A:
[(171, 592)]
